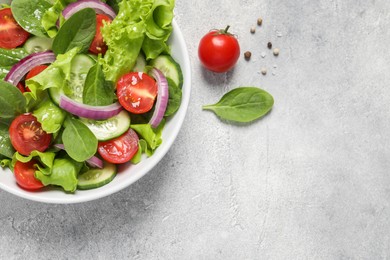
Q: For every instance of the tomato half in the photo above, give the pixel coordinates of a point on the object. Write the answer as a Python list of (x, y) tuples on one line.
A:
[(11, 34), (136, 92), (27, 135), (24, 175), (98, 45), (120, 149), (219, 50), (35, 71)]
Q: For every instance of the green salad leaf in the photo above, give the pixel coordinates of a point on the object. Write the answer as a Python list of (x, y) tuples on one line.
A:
[(50, 116), (77, 32), (54, 76), (29, 13), (64, 173), (97, 91), (174, 100), (139, 24), (52, 15), (9, 58), (151, 135), (12, 101), (124, 37), (243, 104), (80, 143), (45, 158), (6, 148), (158, 28)]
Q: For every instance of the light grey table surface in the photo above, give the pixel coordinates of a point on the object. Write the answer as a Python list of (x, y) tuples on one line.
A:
[(311, 180)]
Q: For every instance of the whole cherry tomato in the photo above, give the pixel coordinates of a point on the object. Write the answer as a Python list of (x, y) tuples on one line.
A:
[(219, 50)]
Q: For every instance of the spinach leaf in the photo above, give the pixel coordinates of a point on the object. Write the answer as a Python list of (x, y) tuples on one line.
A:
[(77, 31), (79, 142), (243, 104), (3, 72), (12, 101), (174, 100), (29, 13), (97, 91), (6, 148), (10, 57)]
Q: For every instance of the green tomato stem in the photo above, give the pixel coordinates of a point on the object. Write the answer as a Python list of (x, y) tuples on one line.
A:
[(226, 29)]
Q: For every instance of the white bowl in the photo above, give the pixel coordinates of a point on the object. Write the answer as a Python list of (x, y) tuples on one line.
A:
[(127, 173)]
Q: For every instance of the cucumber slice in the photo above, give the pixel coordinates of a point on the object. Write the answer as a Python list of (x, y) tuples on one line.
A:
[(38, 44), (80, 66), (169, 67), (95, 177), (140, 64), (110, 128)]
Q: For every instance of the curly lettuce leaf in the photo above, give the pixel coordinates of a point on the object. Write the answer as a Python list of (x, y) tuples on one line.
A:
[(124, 37), (140, 24), (64, 173), (158, 28), (52, 15), (151, 135), (45, 158), (54, 76)]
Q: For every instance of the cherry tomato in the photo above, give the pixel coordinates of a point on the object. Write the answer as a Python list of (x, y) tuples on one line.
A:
[(24, 175), (219, 50), (21, 87), (98, 45), (11, 34), (35, 71), (27, 135), (136, 92), (120, 149)]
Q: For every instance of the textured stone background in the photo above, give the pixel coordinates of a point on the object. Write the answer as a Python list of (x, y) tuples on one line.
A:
[(308, 181)]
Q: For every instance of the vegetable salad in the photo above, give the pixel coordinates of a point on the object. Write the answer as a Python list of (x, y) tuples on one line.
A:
[(85, 86)]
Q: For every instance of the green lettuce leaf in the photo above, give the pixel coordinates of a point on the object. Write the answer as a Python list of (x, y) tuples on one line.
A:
[(158, 28), (45, 158), (145, 24), (5, 162), (124, 37), (50, 116), (64, 173), (54, 76), (152, 136), (50, 17)]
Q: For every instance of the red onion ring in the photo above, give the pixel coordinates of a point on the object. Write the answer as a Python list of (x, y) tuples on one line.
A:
[(20, 69), (87, 111), (162, 97), (99, 7)]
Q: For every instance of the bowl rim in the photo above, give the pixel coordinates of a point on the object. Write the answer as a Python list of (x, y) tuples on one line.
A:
[(154, 159)]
